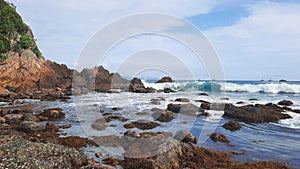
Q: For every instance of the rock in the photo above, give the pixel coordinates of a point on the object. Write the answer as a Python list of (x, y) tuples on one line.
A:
[(224, 98), (30, 117), (296, 111), (165, 80), (31, 126), (13, 117), (99, 124), (217, 137), (182, 100), (97, 166), (203, 94), (187, 109), (212, 106), (255, 113), (137, 86), (2, 120), (175, 108), (22, 153), (76, 142), (168, 90), (253, 99), (117, 109), (283, 81), (66, 126), (162, 115), (99, 154), (232, 126), (52, 114), (51, 127), (240, 102), (142, 124), (132, 133), (111, 118), (141, 113), (185, 136), (285, 103), (155, 101)]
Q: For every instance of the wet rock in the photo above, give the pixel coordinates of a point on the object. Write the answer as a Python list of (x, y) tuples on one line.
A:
[(99, 124), (13, 117), (141, 113), (296, 111), (225, 98), (240, 102), (212, 106), (255, 113), (25, 154), (76, 142), (174, 107), (155, 101), (132, 133), (99, 154), (112, 118), (168, 90), (232, 126), (204, 114), (285, 103), (203, 94), (187, 109), (51, 127), (142, 124), (283, 81), (217, 137), (162, 115), (30, 117), (182, 100), (165, 80), (31, 126), (117, 109), (253, 99), (185, 136), (66, 126), (137, 86), (52, 114)]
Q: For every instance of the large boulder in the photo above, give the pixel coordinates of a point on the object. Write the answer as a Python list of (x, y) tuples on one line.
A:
[(187, 109), (185, 136), (162, 115), (285, 103), (165, 80), (255, 113)]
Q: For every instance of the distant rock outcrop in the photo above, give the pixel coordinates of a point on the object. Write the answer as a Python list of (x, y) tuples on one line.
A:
[(165, 80)]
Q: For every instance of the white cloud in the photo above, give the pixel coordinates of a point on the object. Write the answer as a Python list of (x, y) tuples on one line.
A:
[(263, 43)]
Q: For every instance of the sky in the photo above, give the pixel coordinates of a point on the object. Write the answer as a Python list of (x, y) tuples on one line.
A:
[(253, 39)]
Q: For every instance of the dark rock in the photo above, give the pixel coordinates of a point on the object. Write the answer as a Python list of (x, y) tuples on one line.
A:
[(137, 86), (117, 109), (203, 94), (162, 115), (182, 100), (99, 154), (76, 142), (185, 136), (224, 99), (187, 109), (31, 126), (240, 102), (52, 114), (232, 126), (285, 103), (253, 99), (142, 124), (217, 137), (283, 81), (132, 133), (51, 127), (212, 106), (255, 113), (168, 90), (30, 117), (155, 101), (66, 126), (296, 111), (165, 80), (175, 108), (111, 118)]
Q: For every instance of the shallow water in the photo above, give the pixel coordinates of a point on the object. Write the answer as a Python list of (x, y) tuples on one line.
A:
[(280, 142)]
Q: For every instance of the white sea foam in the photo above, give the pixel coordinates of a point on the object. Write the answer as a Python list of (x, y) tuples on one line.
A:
[(294, 122)]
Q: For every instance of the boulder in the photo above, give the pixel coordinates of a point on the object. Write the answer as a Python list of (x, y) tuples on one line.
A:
[(217, 137), (52, 114), (187, 109), (137, 86), (142, 124), (232, 126), (162, 115), (285, 103), (255, 113), (132, 133), (165, 80), (31, 126), (185, 136), (182, 100), (168, 90), (99, 124)]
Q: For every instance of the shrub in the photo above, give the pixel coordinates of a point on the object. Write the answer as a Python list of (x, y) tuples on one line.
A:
[(4, 44), (3, 57)]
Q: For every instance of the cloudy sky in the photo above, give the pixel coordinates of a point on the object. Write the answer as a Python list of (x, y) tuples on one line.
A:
[(254, 39)]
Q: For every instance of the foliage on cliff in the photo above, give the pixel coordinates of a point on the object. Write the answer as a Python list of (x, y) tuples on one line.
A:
[(14, 33)]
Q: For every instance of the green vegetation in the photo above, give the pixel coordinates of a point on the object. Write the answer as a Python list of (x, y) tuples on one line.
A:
[(14, 32), (3, 57)]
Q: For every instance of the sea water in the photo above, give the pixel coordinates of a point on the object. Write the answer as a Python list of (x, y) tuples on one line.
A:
[(269, 141)]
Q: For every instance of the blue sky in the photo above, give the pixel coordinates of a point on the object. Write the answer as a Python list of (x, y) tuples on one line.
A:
[(254, 39)]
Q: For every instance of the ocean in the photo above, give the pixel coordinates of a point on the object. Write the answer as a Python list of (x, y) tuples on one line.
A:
[(268, 141)]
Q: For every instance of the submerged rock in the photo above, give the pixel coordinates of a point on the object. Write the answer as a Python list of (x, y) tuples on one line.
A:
[(217, 137)]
